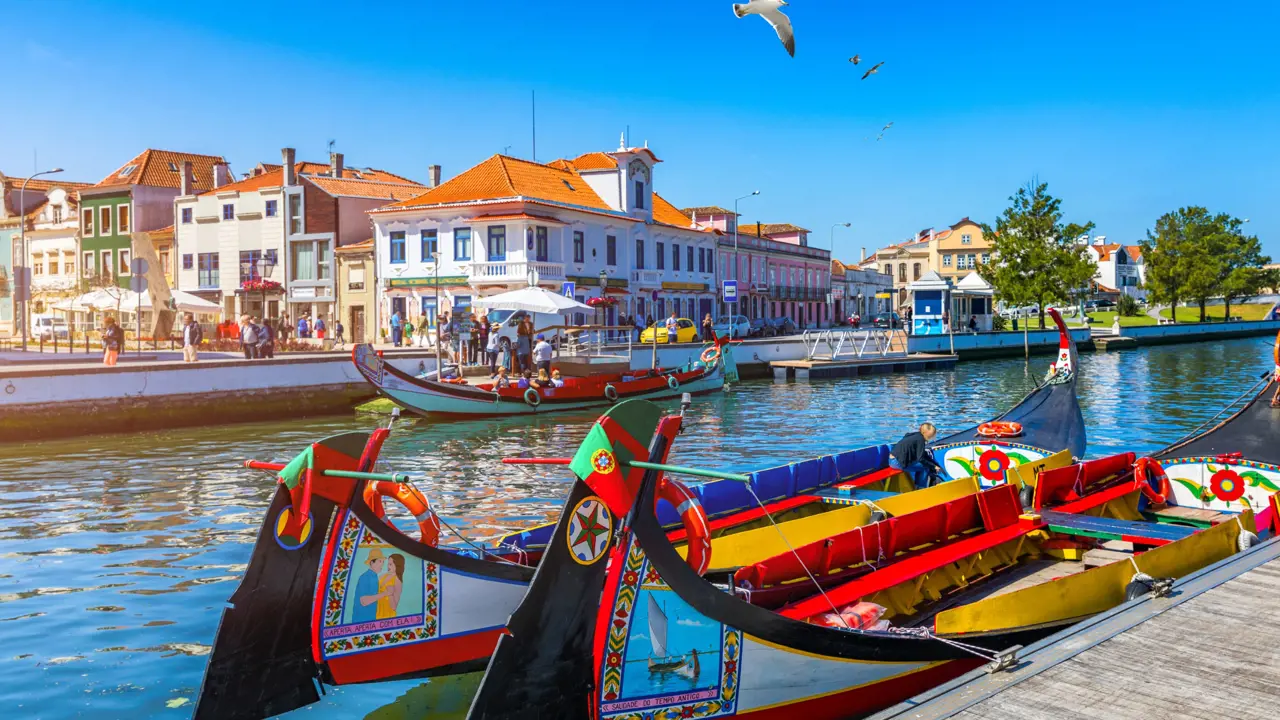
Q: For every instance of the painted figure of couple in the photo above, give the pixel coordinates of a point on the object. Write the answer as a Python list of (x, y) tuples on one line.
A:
[(379, 588)]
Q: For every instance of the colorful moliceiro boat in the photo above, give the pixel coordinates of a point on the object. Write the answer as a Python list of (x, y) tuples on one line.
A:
[(1233, 466), (427, 395), (629, 631)]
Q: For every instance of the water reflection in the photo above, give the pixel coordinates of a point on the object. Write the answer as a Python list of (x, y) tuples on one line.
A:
[(149, 532)]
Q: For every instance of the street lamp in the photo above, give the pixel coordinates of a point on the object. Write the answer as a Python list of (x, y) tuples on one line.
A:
[(830, 317), (734, 316), (24, 272)]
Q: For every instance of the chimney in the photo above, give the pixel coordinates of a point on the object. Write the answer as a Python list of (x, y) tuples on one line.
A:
[(286, 158), (433, 175), (864, 254), (221, 174), (335, 165), (188, 180)]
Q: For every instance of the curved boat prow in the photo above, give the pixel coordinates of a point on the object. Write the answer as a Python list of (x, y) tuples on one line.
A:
[(262, 663)]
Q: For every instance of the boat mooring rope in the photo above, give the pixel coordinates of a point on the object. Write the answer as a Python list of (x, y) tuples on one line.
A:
[(1251, 391), (926, 634), (478, 548)]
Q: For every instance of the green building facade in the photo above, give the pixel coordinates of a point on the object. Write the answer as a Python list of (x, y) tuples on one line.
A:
[(106, 220)]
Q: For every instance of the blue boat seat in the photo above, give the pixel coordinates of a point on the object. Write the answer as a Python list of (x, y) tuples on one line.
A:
[(773, 484)]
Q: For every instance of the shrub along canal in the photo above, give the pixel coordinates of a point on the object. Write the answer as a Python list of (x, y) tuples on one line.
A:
[(119, 551)]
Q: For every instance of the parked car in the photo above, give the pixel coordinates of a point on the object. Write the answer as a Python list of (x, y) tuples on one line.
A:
[(780, 326), (49, 327), (1100, 304), (758, 326), (738, 324), (686, 331), (887, 320)]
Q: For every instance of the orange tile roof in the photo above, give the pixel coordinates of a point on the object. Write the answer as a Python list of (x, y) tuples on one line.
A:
[(346, 187), (271, 178), (1104, 251), (502, 177), (705, 210), (594, 161), (152, 168), (42, 184), (1135, 252), (515, 216), (348, 172), (355, 248), (768, 229), (667, 214)]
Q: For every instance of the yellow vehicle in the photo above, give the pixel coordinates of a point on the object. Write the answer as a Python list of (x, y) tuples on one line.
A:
[(685, 332)]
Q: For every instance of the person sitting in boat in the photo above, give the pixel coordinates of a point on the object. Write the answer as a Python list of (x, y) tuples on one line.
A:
[(542, 355), (913, 456), (500, 380), (525, 380), (556, 380), (542, 380)]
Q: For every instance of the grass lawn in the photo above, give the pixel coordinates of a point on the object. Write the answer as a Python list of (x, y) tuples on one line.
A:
[(1105, 319), (1216, 312)]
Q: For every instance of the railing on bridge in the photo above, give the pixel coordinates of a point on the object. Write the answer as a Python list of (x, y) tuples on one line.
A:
[(848, 344)]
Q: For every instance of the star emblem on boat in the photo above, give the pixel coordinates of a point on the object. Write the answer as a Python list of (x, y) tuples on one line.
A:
[(588, 532)]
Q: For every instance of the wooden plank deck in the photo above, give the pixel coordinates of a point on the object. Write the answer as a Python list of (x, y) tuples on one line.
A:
[(1211, 651), (822, 368)]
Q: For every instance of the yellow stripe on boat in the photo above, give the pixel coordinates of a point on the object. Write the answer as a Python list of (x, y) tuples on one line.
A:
[(1096, 590), (1026, 473), (752, 546)]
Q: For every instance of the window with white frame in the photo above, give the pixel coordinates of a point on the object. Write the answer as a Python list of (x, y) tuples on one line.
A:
[(57, 213), (986, 258), (462, 243), (355, 277), (295, 214), (579, 247), (86, 263), (228, 211), (122, 218), (52, 260), (324, 260), (124, 262), (37, 265), (104, 220), (186, 216), (946, 261), (270, 208), (966, 239), (105, 263)]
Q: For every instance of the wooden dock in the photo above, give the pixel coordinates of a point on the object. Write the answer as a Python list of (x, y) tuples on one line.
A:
[(1210, 650), (826, 368)]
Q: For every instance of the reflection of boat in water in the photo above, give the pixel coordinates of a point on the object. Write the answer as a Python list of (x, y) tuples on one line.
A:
[(659, 663)]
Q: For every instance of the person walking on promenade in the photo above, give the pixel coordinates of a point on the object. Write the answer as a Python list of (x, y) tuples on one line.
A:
[(673, 328), (408, 333), (912, 456), (303, 328), (474, 339), (707, 330), (542, 354), (192, 336), (482, 339), (639, 323), (397, 328), (112, 341), (491, 348), (424, 332), (266, 339), (248, 337), (524, 344), (338, 341), (320, 327), (283, 328)]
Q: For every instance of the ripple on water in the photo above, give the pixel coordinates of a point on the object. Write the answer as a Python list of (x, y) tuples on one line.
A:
[(152, 530)]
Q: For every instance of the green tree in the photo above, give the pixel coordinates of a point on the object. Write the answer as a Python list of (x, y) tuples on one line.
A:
[(1127, 306), (1196, 255), (1035, 256), (1242, 261)]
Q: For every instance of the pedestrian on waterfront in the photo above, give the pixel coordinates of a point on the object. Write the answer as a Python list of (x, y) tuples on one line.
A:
[(408, 334), (112, 341), (284, 328), (424, 331), (397, 328), (708, 328), (500, 379), (482, 340), (476, 336), (441, 336), (192, 336), (248, 338), (673, 327), (524, 344), (337, 333), (302, 328), (456, 341), (973, 323), (639, 323), (542, 354), (266, 339), (491, 348), (913, 456), (320, 327)]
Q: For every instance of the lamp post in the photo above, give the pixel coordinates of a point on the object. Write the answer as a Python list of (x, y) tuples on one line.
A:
[(24, 273), (603, 279), (734, 317), (265, 266), (435, 260), (832, 245)]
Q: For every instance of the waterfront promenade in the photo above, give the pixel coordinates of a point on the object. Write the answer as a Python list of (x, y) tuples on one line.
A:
[(1209, 651)]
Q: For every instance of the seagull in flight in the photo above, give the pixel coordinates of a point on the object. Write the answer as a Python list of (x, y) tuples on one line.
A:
[(874, 69), (855, 59), (886, 127), (771, 11)]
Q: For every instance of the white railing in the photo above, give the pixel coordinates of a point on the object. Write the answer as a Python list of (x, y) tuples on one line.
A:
[(515, 270), (646, 277), (846, 344)]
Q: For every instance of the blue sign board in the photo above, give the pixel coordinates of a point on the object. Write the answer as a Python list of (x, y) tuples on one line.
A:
[(731, 291), (567, 289)]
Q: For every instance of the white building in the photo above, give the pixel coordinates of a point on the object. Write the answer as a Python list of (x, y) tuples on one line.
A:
[(53, 246), (1120, 268), (280, 223), (858, 290), (591, 220)]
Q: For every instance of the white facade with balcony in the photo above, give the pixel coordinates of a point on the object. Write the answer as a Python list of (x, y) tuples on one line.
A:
[(53, 244), (489, 245)]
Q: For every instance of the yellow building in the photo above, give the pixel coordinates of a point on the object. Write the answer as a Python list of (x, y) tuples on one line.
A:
[(959, 250), (356, 290), (953, 253)]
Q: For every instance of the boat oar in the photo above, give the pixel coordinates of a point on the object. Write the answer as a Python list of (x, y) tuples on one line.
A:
[(349, 474), (673, 469)]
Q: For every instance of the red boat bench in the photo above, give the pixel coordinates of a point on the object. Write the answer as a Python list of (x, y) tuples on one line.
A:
[(1063, 485), (998, 521)]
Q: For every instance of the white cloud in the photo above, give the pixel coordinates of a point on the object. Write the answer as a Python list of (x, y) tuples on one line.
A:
[(689, 622)]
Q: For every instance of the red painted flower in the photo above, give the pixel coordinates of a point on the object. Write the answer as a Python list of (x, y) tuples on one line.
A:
[(686, 711), (630, 577), (992, 464), (730, 666), (614, 659), (1227, 485)]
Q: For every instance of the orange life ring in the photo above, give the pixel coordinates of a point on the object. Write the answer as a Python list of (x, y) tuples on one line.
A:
[(696, 528), (1143, 472), (710, 355), (412, 499), (1000, 429)]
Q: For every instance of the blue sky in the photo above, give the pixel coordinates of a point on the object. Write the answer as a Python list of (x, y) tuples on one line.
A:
[(1127, 110)]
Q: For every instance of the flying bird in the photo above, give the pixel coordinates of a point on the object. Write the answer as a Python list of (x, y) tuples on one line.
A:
[(879, 137), (874, 69), (886, 127), (771, 12), (855, 59)]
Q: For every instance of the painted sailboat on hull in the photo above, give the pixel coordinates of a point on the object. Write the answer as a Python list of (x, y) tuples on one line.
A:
[(686, 666)]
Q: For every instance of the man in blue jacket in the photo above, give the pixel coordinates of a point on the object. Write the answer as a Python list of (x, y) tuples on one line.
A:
[(913, 456)]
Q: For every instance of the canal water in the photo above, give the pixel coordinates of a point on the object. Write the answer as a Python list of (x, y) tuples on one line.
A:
[(118, 552)]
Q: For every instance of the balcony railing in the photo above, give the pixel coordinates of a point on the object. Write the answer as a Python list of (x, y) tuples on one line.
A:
[(647, 278), (512, 271)]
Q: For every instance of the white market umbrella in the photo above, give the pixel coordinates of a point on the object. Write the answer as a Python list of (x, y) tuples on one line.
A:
[(531, 299), (185, 301), (96, 300)]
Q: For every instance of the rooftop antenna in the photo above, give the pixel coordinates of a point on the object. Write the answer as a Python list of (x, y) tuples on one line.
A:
[(506, 149), (331, 144), (533, 120)]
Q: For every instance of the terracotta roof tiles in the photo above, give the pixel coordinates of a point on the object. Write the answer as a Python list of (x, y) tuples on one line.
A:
[(346, 187), (667, 214), (156, 168), (502, 177), (271, 178), (706, 210)]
